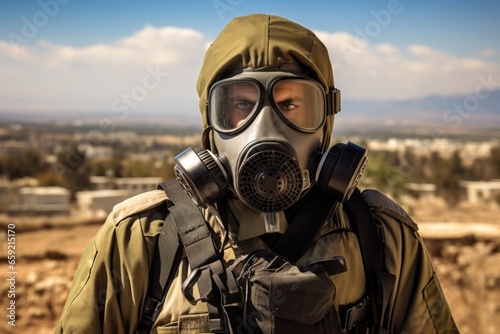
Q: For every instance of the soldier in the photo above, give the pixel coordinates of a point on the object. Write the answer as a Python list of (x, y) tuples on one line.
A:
[(291, 245)]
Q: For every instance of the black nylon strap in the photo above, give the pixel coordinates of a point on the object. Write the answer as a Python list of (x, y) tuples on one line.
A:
[(195, 236), (167, 253), (367, 231), (217, 287), (317, 209), (199, 247), (380, 282)]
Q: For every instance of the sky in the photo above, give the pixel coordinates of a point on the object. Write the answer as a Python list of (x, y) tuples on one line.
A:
[(127, 57)]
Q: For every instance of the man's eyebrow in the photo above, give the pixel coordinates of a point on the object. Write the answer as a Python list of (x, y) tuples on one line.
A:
[(291, 98), (241, 98)]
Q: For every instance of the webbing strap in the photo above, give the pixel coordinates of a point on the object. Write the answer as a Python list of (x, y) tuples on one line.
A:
[(167, 253), (215, 284), (380, 282), (317, 209)]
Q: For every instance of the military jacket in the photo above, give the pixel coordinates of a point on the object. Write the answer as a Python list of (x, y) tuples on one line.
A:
[(111, 282)]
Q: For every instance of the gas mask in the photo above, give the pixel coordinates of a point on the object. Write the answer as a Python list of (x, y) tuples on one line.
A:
[(268, 132)]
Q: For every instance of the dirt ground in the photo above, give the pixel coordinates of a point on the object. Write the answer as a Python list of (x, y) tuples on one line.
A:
[(48, 250)]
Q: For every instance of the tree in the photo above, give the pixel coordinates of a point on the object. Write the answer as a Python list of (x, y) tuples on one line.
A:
[(447, 175), (383, 175), (72, 169), (138, 168), (494, 163), (25, 163)]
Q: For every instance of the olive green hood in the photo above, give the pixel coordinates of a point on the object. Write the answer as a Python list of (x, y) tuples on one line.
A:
[(260, 41)]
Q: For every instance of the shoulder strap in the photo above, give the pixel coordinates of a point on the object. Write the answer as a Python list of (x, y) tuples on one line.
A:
[(216, 287), (379, 282), (167, 253)]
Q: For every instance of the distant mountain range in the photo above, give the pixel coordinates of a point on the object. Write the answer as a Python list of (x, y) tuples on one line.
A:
[(454, 111)]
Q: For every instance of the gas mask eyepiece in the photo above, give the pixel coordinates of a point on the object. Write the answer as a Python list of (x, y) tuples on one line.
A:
[(298, 101)]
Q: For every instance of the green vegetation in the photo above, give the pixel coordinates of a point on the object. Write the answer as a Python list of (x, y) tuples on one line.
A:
[(392, 171), (383, 174), (28, 162)]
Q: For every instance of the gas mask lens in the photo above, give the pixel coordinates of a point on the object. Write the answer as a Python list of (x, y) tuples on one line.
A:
[(231, 103), (299, 102)]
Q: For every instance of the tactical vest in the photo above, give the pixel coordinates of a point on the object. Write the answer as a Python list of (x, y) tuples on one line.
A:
[(265, 292)]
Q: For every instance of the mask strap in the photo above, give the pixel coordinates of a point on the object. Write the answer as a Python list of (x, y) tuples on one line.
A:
[(207, 139)]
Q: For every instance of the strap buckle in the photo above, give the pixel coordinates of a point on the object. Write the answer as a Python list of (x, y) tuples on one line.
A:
[(355, 314), (151, 308)]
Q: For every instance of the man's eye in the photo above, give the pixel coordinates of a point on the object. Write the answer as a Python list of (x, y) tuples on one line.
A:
[(287, 106), (244, 106)]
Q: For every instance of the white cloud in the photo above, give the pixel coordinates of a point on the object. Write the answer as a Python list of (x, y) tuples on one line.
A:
[(385, 71), (387, 49), (164, 46), (488, 52), (46, 75), (16, 52), (421, 50), (52, 76)]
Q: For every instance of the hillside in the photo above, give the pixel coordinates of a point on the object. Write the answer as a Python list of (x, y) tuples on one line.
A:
[(450, 111)]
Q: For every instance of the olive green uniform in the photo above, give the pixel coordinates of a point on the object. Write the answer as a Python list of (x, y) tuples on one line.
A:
[(111, 282)]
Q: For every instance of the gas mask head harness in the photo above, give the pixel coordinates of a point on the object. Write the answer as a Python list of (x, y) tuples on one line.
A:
[(268, 136)]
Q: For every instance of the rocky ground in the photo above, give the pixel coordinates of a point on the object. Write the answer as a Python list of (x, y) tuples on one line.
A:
[(48, 250)]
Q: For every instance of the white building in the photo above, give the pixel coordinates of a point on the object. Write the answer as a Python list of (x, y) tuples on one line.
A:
[(99, 203), (482, 191), (109, 191), (138, 184), (135, 184), (41, 201), (423, 190)]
